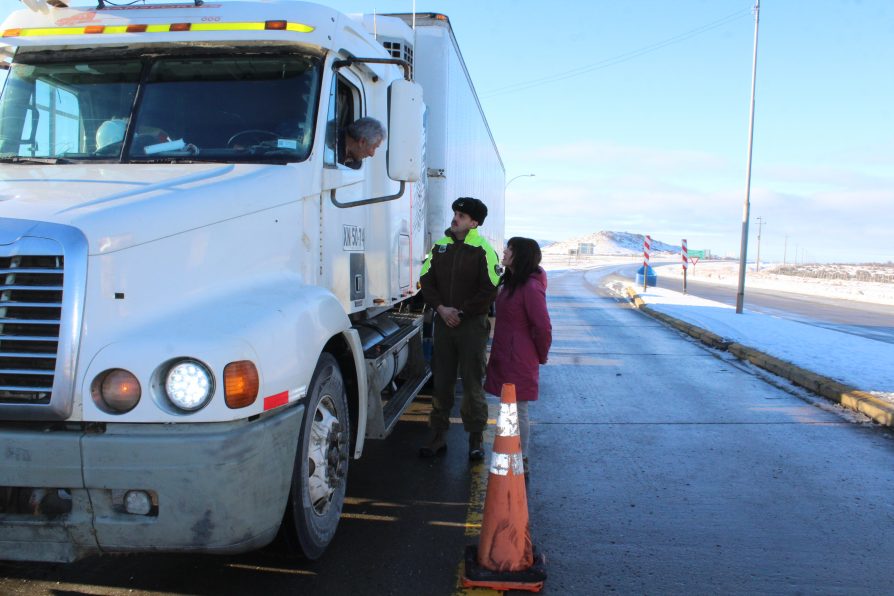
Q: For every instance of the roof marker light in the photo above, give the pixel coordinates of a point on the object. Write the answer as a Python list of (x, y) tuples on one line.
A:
[(94, 29), (180, 26), (12, 33), (276, 25), (136, 28)]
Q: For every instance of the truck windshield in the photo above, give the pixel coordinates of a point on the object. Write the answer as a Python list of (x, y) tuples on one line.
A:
[(253, 108)]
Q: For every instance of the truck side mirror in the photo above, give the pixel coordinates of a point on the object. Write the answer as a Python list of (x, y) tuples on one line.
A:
[(405, 130)]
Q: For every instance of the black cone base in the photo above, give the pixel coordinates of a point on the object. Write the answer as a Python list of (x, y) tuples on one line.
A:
[(530, 579)]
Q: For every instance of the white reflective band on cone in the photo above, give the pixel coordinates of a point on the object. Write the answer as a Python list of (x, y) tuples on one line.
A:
[(507, 421), (500, 464)]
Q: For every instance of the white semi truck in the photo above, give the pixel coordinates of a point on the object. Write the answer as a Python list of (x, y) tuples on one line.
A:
[(203, 313)]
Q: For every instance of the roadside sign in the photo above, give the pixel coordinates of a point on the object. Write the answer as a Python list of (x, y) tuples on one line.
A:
[(697, 254)]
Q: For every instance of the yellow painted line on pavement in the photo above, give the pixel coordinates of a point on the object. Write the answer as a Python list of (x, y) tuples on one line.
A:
[(475, 511), (368, 517), (373, 502), (285, 570), (466, 525), (490, 421)]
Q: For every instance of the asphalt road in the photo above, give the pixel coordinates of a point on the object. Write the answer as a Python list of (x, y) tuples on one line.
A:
[(657, 467), (872, 321), (660, 466)]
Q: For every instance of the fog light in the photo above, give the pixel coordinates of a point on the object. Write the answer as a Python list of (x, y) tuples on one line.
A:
[(137, 502), (116, 391)]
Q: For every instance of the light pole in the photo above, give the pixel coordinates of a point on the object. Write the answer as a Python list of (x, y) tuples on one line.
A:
[(760, 224), (511, 180), (743, 251), (516, 178)]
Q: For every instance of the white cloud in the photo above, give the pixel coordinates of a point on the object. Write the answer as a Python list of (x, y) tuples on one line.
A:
[(829, 212)]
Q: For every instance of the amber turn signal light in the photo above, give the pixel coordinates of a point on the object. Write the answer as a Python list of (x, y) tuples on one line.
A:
[(240, 384)]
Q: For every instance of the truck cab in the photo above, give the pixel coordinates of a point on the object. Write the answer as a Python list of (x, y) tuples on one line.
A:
[(205, 312)]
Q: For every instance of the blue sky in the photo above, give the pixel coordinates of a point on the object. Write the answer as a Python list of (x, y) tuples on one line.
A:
[(633, 116)]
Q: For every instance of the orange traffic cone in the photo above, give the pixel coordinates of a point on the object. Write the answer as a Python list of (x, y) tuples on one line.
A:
[(505, 558)]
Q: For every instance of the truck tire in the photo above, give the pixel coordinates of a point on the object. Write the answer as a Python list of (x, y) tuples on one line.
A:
[(320, 473)]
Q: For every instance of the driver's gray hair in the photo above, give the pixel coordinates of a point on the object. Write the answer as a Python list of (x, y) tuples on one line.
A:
[(366, 129)]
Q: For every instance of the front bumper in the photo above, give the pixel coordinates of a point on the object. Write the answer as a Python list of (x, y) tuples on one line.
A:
[(215, 488)]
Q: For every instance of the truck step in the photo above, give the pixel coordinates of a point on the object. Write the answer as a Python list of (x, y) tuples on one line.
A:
[(401, 400)]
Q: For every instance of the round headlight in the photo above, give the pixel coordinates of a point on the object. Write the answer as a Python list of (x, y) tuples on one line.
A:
[(116, 391), (189, 385)]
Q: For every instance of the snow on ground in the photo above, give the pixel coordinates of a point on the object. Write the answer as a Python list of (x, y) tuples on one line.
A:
[(863, 363), (860, 362), (824, 284)]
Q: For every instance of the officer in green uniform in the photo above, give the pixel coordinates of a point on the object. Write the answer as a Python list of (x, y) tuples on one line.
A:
[(459, 281)]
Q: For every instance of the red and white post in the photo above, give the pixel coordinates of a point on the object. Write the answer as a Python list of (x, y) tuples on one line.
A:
[(685, 252), (647, 246)]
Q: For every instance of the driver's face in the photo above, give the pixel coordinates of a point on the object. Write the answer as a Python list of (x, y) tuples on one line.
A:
[(367, 149)]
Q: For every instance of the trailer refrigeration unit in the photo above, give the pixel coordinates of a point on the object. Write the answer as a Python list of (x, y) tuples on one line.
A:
[(203, 312)]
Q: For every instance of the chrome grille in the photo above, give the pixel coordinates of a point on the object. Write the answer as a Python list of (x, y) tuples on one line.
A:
[(30, 318)]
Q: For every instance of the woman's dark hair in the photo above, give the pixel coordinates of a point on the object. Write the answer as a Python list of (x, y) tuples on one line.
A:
[(526, 258)]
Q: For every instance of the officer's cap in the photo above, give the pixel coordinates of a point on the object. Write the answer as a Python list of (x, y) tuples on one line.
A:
[(471, 207)]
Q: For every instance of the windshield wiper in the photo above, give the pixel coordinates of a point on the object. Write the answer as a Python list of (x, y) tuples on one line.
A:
[(33, 160), (178, 160), (257, 159)]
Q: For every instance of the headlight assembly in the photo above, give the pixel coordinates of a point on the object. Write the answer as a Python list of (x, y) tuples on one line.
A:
[(188, 384)]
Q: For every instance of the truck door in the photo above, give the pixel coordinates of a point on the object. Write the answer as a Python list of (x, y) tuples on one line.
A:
[(344, 228)]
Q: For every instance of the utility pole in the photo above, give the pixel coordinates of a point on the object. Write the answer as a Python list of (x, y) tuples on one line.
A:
[(743, 251), (785, 249), (760, 224)]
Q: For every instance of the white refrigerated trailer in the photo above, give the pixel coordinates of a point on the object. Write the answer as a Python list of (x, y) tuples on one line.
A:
[(203, 312)]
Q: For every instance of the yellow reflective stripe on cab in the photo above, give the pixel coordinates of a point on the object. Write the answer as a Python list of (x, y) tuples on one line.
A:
[(43, 31), (164, 28), (298, 27)]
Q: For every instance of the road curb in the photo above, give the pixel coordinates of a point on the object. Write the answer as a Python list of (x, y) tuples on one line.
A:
[(849, 397)]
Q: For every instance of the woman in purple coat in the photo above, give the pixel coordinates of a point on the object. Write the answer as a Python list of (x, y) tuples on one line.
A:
[(523, 331)]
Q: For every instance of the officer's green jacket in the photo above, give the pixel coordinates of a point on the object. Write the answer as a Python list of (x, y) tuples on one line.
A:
[(461, 274)]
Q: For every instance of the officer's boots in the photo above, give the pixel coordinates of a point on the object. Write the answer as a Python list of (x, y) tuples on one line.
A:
[(436, 444), (476, 446)]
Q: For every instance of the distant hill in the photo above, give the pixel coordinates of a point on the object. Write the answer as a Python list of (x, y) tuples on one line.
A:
[(611, 243)]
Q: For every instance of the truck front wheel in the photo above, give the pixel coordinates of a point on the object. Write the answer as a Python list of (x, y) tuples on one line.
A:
[(320, 474)]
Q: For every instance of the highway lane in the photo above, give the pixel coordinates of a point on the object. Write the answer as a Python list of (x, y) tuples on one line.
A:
[(872, 321), (659, 466)]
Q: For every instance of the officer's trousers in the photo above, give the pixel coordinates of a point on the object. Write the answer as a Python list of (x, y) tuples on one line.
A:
[(460, 350)]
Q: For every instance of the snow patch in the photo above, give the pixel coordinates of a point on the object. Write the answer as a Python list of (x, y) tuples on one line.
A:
[(610, 243)]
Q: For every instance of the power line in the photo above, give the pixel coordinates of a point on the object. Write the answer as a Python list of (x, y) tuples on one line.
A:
[(581, 70)]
